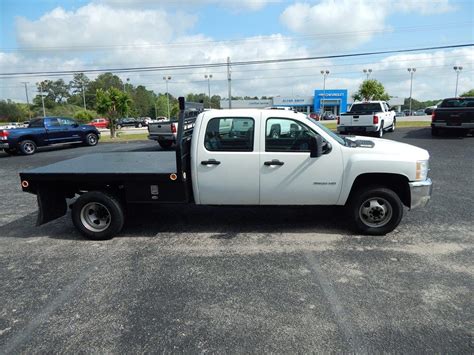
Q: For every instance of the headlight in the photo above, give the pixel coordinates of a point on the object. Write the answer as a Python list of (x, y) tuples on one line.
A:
[(422, 167)]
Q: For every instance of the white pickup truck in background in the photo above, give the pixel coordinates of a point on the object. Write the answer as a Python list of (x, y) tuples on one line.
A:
[(371, 117)]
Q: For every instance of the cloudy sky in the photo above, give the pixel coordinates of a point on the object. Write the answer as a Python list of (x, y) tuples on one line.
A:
[(51, 35)]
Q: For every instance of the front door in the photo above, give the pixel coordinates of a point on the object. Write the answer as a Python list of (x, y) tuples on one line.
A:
[(72, 131), (227, 164), (288, 175)]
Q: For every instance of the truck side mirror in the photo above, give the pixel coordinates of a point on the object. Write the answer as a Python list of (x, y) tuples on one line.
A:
[(315, 146)]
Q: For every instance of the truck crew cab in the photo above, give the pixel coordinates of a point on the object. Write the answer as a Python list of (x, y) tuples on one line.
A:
[(229, 157)]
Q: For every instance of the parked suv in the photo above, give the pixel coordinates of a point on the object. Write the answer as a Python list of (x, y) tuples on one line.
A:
[(126, 122)]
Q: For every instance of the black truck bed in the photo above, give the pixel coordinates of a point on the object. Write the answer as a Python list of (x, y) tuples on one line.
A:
[(108, 165)]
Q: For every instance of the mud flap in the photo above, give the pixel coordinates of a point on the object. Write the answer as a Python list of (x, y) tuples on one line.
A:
[(51, 204)]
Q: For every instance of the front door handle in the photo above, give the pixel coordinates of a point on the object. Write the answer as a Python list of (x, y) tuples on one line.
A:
[(273, 162), (210, 162)]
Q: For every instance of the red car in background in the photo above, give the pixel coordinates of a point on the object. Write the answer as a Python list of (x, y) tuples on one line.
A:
[(100, 123)]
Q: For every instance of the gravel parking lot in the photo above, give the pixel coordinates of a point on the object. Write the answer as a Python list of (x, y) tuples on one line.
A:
[(206, 279)]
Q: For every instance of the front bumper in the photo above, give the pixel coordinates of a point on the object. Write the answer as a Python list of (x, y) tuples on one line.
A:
[(420, 192), (4, 145)]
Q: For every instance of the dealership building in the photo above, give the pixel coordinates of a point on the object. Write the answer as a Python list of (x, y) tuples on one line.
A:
[(335, 101)]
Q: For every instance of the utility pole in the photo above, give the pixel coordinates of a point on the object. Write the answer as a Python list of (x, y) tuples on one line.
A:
[(167, 78), (325, 74), (42, 99), (27, 98), (457, 69), (83, 95), (411, 71), (156, 112), (209, 77), (229, 79)]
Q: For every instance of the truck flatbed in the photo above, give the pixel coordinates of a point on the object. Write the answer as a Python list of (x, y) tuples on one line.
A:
[(108, 165)]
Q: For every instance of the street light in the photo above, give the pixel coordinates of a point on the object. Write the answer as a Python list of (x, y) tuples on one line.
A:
[(457, 69), (367, 72), (411, 71), (325, 74), (167, 78), (124, 83), (208, 77), (83, 94)]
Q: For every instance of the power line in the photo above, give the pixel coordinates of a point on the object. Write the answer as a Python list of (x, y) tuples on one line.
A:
[(234, 64)]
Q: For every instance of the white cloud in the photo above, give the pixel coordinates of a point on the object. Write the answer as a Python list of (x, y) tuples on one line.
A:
[(252, 5), (350, 23), (100, 25)]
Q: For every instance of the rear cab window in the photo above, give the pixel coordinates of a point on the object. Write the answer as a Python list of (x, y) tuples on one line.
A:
[(365, 108), (459, 102), (230, 134), (36, 123)]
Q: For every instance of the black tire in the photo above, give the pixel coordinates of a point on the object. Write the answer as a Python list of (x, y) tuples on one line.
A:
[(165, 144), (91, 139), (435, 131), (27, 147), (98, 215), (376, 210), (394, 124), (379, 133)]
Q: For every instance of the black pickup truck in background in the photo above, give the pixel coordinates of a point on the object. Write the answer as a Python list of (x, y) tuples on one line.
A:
[(453, 114)]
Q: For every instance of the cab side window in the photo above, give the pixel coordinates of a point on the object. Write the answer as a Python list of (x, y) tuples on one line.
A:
[(66, 121), (51, 122), (230, 134), (287, 135)]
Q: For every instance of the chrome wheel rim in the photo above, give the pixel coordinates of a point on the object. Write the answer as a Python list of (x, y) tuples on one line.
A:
[(375, 212), (29, 147), (92, 139), (95, 217)]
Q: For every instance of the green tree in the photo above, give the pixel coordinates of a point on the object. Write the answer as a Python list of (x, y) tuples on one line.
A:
[(11, 111), (114, 104), (84, 116), (371, 90), (55, 92), (469, 93), (103, 81)]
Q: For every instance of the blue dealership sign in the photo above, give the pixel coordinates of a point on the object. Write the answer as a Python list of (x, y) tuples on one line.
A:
[(331, 98)]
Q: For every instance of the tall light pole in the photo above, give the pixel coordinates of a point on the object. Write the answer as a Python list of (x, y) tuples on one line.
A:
[(367, 72), (167, 78), (229, 81), (125, 91), (457, 69), (42, 99), (27, 98), (325, 74), (208, 77), (411, 71), (83, 95)]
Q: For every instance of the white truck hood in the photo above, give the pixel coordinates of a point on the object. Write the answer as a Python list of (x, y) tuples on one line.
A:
[(389, 147)]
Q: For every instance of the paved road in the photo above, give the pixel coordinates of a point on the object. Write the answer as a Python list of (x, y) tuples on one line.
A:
[(189, 279)]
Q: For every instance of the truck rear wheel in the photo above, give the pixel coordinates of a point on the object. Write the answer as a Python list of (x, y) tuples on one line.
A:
[(393, 125), (376, 211), (165, 144), (98, 215), (379, 133), (27, 147)]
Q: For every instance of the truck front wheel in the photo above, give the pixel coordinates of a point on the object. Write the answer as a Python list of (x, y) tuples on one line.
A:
[(376, 211), (98, 215)]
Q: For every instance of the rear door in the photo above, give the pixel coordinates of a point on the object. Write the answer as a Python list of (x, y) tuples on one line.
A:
[(227, 163), (56, 133)]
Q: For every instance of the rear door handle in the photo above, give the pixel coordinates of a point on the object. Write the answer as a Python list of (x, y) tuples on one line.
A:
[(273, 162), (210, 162)]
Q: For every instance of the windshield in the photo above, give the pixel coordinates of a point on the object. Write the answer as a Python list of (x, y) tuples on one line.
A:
[(338, 138)]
